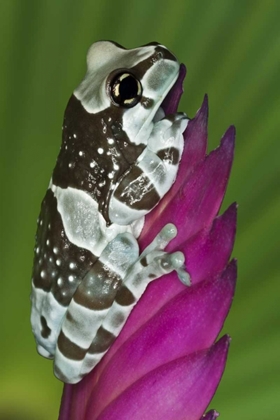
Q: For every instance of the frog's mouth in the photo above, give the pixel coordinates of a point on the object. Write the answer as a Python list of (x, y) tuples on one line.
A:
[(172, 99)]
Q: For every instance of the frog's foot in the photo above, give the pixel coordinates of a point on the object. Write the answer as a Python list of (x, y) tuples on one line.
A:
[(157, 262), (149, 178)]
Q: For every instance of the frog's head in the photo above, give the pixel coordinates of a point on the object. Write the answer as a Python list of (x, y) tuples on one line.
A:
[(130, 84), (118, 144)]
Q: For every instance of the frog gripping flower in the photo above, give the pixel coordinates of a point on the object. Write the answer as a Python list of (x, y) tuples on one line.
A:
[(120, 155)]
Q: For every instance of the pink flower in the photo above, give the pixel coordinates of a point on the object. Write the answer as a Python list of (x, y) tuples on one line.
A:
[(165, 364)]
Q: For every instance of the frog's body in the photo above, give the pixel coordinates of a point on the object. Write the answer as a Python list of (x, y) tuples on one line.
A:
[(119, 156)]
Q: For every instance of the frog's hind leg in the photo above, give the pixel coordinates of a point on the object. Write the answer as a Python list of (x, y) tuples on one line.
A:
[(152, 264), (90, 305)]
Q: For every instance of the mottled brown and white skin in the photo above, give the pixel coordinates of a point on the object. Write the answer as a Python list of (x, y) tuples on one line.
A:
[(119, 156)]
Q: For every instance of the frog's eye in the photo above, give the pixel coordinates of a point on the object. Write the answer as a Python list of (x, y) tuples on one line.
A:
[(125, 90)]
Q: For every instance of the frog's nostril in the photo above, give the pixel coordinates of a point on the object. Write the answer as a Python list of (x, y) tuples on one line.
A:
[(163, 53)]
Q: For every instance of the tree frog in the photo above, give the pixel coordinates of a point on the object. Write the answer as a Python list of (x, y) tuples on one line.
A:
[(119, 156)]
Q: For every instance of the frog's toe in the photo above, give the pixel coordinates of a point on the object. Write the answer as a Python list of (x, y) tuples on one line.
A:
[(175, 261), (161, 261), (162, 239), (184, 276), (172, 261)]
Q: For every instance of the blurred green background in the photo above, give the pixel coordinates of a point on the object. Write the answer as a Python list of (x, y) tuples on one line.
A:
[(232, 51)]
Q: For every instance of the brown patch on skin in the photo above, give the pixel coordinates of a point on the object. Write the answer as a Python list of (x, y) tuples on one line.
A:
[(136, 190), (54, 253), (98, 289), (72, 320), (69, 349), (140, 69), (124, 296), (171, 155), (69, 317), (102, 341), (119, 319), (147, 103), (45, 331), (144, 261), (166, 54)]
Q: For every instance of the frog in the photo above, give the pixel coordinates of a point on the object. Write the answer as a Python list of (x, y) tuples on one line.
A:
[(119, 156)]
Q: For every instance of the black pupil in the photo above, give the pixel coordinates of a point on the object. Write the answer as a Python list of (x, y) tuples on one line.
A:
[(128, 88)]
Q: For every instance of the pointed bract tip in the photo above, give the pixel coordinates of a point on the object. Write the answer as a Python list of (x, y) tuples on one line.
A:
[(232, 265), (202, 113), (227, 339), (205, 105), (197, 127), (230, 217), (228, 138), (220, 347), (231, 211), (230, 273), (182, 71), (211, 415)]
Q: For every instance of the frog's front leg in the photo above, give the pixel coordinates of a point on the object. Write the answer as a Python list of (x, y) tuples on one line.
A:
[(151, 264), (149, 178)]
